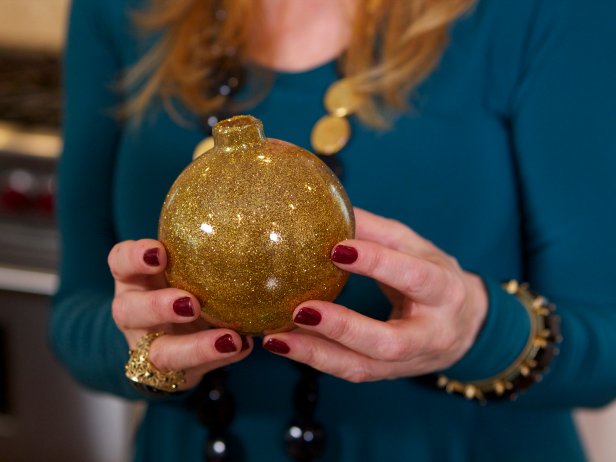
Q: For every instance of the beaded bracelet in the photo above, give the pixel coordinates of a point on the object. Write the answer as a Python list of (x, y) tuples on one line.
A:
[(530, 365)]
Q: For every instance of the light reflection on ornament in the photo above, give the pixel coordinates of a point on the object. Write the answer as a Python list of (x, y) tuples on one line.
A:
[(271, 283), (206, 228)]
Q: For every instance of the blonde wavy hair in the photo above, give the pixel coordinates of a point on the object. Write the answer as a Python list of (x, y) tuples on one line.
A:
[(394, 45)]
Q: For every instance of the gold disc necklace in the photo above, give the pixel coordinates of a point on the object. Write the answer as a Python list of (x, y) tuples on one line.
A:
[(331, 133)]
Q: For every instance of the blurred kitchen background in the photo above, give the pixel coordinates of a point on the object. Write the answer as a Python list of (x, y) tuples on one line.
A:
[(44, 415)]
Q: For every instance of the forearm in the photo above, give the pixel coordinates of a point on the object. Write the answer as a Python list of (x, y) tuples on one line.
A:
[(86, 340)]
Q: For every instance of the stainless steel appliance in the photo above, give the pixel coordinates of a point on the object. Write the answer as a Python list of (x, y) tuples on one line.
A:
[(44, 415)]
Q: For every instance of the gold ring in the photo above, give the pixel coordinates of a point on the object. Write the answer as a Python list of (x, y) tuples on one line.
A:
[(141, 372)]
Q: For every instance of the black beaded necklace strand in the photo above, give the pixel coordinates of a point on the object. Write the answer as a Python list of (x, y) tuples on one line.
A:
[(214, 405)]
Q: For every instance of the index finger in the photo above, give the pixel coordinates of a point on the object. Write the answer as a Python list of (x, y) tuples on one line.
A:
[(422, 280), (389, 232), (381, 340), (131, 260)]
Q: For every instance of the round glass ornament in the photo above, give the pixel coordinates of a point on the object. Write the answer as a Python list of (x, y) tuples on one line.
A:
[(249, 227)]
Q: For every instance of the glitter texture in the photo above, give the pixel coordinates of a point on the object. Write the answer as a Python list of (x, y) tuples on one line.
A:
[(249, 227)]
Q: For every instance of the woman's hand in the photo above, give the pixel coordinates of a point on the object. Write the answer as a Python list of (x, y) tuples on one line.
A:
[(437, 310), (144, 303)]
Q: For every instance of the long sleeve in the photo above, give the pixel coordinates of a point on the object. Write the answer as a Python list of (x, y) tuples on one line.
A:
[(563, 126), (82, 331), (565, 134)]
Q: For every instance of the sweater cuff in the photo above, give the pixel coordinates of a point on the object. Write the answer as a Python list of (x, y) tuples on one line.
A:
[(500, 341)]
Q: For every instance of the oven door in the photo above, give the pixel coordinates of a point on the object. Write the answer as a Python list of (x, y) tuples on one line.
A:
[(44, 414)]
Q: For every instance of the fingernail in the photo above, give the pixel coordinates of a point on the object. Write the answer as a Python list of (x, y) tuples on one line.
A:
[(277, 346), (245, 344), (183, 307), (150, 257), (307, 316), (225, 344), (344, 254)]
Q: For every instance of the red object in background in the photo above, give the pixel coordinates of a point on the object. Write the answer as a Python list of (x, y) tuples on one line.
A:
[(22, 191), (15, 201), (45, 203), (17, 191)]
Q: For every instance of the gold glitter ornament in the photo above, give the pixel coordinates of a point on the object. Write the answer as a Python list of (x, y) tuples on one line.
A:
[(249, 227)]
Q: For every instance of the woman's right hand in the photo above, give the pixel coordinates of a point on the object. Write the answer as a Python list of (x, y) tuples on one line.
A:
[(144, 303)]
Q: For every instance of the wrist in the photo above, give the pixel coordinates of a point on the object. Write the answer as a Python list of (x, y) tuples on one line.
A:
[(533, 361), (476, 309), (496, 341)]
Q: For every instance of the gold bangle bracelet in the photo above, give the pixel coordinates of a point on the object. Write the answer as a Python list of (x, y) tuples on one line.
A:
[(532, 362)]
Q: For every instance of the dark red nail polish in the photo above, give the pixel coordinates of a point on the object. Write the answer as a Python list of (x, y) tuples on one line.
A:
[(150, 257), (344, 254), (277, 346), (225, 344), (183, 307), (245, 344), (307, 316)]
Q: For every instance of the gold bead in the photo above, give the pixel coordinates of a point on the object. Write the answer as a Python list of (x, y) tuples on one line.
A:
[(499, 388), (341, 99), (539, 302), (330, 134), (470, 391), (204, 146)]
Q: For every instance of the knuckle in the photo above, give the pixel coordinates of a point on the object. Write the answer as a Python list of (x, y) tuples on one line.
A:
[(396, 227), (158, 357), (400, 233), (115, 257), (341, 329), (317, 359), (311, 357), (446, 341), (457, 292), (154, 306), (394, 224), (417, 280), (358, 374), (431, 246), (112, 253), (392, 349), (453, 261), (374, 262), (118, 310)]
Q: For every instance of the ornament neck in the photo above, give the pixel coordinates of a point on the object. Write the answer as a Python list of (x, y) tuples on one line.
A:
[(238, 133)]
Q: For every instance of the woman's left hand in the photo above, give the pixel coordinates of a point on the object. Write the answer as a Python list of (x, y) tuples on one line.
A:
[(437, 310)]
